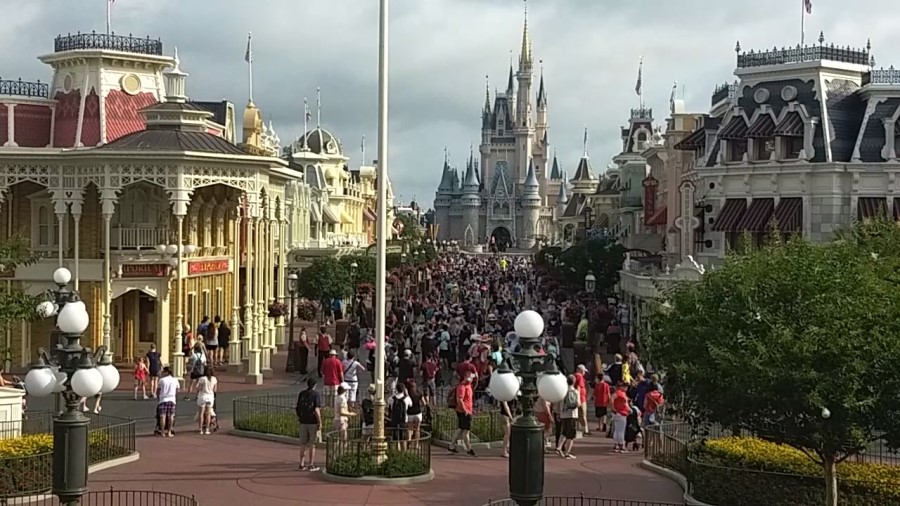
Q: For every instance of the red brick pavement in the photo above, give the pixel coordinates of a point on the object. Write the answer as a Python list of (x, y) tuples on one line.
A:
[(223, 470)]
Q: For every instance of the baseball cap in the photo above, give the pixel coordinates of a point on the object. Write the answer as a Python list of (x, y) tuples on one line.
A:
[(332, 352), (581, 367)]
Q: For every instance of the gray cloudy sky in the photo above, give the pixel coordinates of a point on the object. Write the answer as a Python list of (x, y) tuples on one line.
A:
[(440, 52)]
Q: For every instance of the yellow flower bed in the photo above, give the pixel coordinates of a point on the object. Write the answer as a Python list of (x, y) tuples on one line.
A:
[(35, 444), (761, 455)]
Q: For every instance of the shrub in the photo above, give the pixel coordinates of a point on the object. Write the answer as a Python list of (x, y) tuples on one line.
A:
[(307, 310), (746, 471), (284, 423), (396, 465)]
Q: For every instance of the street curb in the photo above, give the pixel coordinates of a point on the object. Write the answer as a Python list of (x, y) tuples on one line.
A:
[(475, 446), (678, 478), (376, 480), (273, 438), (109, 464)]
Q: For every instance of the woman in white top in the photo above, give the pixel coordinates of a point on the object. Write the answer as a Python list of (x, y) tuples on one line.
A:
[(206, 399), (352, 368)]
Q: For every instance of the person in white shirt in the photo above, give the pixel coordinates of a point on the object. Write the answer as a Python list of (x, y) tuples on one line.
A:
[(206, 399), (342, 411), (167, 393), (352, 368)]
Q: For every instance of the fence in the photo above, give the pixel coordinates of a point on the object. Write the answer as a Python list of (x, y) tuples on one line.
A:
[(110, 497), (356, 456), (487, 423), (26, 459), (581, 500), (276, 414)]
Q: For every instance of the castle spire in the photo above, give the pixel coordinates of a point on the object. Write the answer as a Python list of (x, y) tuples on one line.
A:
[(531, 184), (509, 83), (542, 95), (487, 93), (525, 52)]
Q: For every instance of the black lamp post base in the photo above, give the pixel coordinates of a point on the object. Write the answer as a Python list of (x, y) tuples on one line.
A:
[(70, 454), (526, 461)]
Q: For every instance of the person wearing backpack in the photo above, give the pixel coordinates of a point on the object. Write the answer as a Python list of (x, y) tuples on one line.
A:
[(400, 404), (197, 363), (568, 416), (309, 415), (653, 401)]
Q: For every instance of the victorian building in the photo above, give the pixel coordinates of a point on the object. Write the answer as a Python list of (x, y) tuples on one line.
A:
[(506, 192), (110, 170)]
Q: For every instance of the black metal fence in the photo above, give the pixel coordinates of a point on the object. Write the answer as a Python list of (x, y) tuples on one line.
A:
[(24, 88), (488, 424), (109, 42), (111, 497), (276, 414), (356, 455), (581, 500), (26, 450)]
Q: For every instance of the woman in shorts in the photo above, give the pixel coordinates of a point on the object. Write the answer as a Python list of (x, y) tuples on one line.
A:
[(542, 411), (206, 399)]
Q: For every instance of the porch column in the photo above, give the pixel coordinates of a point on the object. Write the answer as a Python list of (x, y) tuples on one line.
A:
[(280, 340), (180, 200), (254, 322), (77, 205), (271, 255), (234, 344), (62, 212), (10, 126), (250, 274), (163, 326), (265, 264), (107, 208)]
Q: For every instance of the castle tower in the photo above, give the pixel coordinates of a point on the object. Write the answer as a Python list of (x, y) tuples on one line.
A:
[(100, 83), (471, 203), (443, 199), (524, 127), (542, 144), (531, 208), (584, 181)]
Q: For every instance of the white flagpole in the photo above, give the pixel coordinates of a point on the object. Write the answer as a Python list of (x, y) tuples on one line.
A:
[(318, 108), (108, 16), (249, 58), (305, 120), (802, 22)]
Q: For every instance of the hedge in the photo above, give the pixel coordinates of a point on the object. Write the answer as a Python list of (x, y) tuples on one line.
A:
[(285, 423), (745, 471), (396, 465)]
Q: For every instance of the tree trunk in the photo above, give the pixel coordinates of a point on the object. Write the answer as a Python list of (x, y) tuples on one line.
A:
[(831, 485)]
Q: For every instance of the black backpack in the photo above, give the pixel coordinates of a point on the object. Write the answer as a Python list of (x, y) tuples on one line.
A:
[(306, 405), (398, 411)]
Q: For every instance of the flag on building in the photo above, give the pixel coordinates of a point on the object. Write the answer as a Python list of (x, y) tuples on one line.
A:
[(808, 5), (638, 87), (248, 55), (306, 110)]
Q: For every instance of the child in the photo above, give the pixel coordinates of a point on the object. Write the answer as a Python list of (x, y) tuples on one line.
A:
[(140, 376), (601, 403)]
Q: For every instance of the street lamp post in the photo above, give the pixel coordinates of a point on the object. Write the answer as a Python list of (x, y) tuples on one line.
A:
[(75, 372), (292, 281), (353, 267), (590, 283), (539, 377)]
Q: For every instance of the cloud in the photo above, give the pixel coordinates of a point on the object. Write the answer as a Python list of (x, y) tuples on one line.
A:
[(441, 51)]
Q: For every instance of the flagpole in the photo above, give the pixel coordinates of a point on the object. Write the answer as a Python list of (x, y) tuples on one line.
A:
[(318, 107), (249, 58), (802, 22), (641, 93), (108, 15), (305, 120)]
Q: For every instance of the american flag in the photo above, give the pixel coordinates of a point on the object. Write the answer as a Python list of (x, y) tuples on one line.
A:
[(808, 5), (248, 55)]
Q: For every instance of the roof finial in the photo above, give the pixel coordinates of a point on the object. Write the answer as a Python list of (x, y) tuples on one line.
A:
[(821, 37), (446, 155), (525, 56), (737, 47)]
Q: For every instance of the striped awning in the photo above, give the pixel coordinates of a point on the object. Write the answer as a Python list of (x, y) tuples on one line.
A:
[(314, 213), (790, 126), (602, 221), (729, 216), (764, 126), (330, 215), (788, 215), (868, 208), (660, 217), (756, 219), (735, 129), (368, 214), (696, 140)]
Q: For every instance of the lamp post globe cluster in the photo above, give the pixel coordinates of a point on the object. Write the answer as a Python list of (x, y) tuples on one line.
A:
[(74, 372), (172, 250), (538, 376)]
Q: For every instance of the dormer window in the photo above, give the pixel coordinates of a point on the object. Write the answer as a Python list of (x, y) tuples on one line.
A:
[(790, 133), (763, 148), (762, 131), (735, 134), (737, 148)]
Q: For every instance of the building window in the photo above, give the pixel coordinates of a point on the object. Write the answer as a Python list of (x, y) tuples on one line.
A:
[(763, 148), (792, 147), (190, 316), (206, 301), (737, 148), (733, 241), (221, 310), (44, 224)]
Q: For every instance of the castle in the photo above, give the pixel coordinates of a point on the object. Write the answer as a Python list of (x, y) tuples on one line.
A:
[(512, 198)]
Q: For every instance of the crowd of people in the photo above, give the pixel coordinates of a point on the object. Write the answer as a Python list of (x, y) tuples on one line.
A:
[(442, 347)]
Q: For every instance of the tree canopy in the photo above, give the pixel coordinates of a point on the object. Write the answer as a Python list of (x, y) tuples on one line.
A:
[(412, 229), (325, 279), (602, 256), (15, 304), (794, 342)]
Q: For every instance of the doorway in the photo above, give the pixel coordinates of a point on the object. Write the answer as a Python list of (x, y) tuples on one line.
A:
[(501, 239), (134, 324)]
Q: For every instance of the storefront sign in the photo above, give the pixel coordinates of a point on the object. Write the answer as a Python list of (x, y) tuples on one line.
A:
[(145, 270), (207, 267)]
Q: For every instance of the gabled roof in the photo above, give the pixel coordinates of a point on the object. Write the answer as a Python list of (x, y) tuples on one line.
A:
[(575, 206), (584, 172), (500, 185), (555, 172)]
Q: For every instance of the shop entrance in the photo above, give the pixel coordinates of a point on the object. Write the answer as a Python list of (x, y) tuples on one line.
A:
[(134, 324)]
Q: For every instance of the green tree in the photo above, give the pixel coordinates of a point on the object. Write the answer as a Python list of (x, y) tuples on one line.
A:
[(412, 229), (364, 272), (15, 304), (796, 343), (325, 279), (602, 256)]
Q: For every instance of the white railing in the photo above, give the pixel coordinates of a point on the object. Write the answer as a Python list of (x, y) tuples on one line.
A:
[(138, 238)]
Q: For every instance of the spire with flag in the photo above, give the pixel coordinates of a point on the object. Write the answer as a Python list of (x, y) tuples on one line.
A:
[(306, 117), (585, 140), (639, 85), (109, 14)]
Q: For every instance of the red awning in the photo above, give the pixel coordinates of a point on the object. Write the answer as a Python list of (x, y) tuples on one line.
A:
[(660, 217), (756, 219), (729, 216), (788, 215), (868, 208), (368, 215)]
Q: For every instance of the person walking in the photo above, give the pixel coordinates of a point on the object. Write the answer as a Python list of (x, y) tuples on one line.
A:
[(309, 414), (352, 368), (568, 416), (167, 395), (332, 375), (303, 349), (464, 403), (621, 410), (206, 399), (323, 346), (154, 366)]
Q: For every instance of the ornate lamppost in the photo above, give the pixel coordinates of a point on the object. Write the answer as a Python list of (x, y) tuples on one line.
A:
[(75, 372), (538, 377), (293, 282), (353, 289)]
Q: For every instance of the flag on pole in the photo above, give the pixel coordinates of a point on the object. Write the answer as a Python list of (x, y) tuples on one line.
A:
[(248, 55), (585, 140), (638, 87), (306, 110), (808, 5)]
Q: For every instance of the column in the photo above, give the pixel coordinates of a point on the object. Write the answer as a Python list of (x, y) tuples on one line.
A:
[(206, 228), (107, 208), (247, 339), (268, 328), (177, 345), (10, 126), (62, 212), (234, 344), (254, 329), (259, 278), (271, 256), (77, 205), (280, 338)]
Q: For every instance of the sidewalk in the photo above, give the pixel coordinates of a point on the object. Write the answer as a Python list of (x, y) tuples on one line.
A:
[(226, 470)]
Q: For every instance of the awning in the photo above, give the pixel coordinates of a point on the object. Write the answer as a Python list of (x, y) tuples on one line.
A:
[(346, 219), (602, 221), (735, 129), (764, 126), (368, 215), (696, 140), (868, 208), (729, 216), (660, 217), (788, 215), (756, 219), (330, 215), (790, 126), (314, 213)]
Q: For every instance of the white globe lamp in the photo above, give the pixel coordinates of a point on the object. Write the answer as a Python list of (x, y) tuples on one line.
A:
[(73, 318), (62, 276), (40, 382), (161, 249), (46, 309), (552, 387), (87, 382), (171, 249), (529, 324), (60, 382), (110, 376), (504, 385)]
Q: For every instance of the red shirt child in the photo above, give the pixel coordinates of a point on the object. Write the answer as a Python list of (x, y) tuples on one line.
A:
[(332, 370), (620, 402), (601, 394)]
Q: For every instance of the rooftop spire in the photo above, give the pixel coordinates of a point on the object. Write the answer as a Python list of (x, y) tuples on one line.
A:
[(487, 93), (542, 95), (585, 141), (509, 83), (525, 52), (555, 172), (531, 182), (175, 81)]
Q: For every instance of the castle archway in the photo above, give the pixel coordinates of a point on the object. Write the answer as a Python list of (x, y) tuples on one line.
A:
[(501, 238)]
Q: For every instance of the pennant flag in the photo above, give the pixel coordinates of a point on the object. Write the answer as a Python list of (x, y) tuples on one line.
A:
[(638, 87), (248, 55), (808, 6)]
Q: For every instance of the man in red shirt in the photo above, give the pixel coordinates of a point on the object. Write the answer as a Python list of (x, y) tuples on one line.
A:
[(333, 374), (323, 345), (581, 386), (429, 368), (465, 410), (466, 368)]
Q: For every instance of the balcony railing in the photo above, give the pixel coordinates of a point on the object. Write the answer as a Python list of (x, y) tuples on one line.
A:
[(642, 113), (138, 238), (111, 42), (888, 76), (800, 54), (722, 92), (22, 88)]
